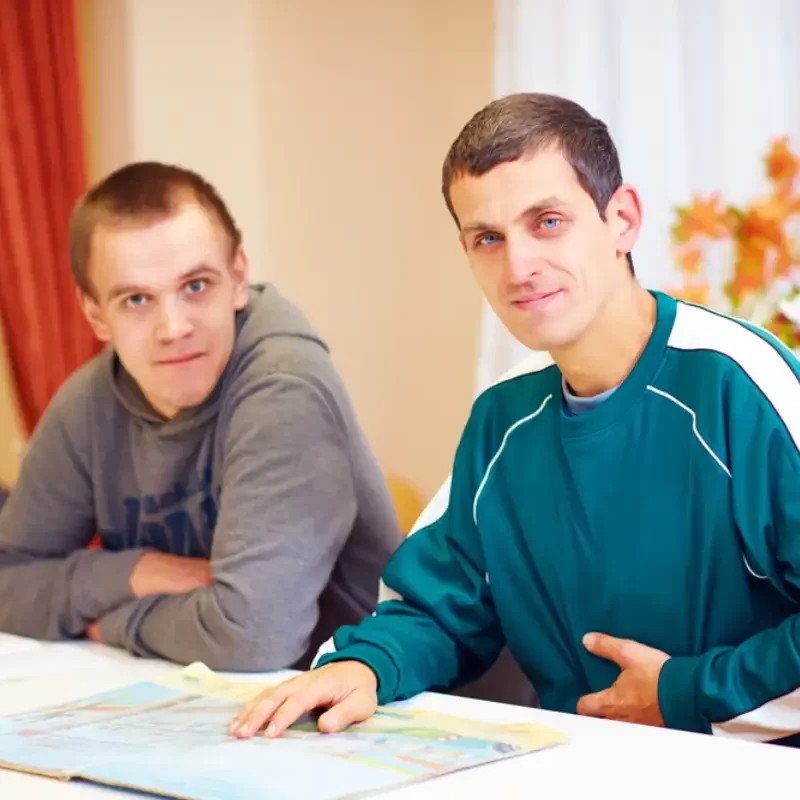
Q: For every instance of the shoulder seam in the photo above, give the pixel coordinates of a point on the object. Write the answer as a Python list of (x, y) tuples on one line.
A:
[(770, 338), (692, 414), (764, 361)]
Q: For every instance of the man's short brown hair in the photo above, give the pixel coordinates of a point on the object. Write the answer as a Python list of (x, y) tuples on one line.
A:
[(521, 124), (142, 192)]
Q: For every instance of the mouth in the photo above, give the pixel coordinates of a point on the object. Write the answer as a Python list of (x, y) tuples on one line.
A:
[(171, 362), (537, 300)]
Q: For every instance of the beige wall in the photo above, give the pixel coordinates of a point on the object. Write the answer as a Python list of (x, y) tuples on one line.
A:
[(177, 81), (363, 100), (324, 125)]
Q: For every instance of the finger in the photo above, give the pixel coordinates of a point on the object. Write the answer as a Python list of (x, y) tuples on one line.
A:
[(294, 707), (356, 707), (258, 711), (609, 647), (599, 704)]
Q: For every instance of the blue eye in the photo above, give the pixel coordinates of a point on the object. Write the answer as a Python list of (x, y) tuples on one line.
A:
[(488, 239), (136, 300), (550, 223), (196, 287)]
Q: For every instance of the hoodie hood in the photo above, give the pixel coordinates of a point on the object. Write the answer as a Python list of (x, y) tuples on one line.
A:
[(267, 316)]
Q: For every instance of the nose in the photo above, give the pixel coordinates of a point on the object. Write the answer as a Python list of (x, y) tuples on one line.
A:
[(173, 321), (523, 258)]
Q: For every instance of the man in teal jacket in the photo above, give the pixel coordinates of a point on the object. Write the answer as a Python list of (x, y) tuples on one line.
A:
[(626, 519)]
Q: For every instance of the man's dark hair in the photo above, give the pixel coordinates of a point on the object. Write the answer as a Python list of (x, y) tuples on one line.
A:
[(521, 124), (141, 192)]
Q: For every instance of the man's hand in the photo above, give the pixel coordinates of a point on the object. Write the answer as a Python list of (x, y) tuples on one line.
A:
[(349, 689), (163, 573), (634, 695), (93, 632)]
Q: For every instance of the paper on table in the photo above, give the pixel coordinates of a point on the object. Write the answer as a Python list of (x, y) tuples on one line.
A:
[(169, 737), (198, 678)]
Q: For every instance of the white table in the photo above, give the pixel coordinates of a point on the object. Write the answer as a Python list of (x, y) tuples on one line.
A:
[(602, 760)]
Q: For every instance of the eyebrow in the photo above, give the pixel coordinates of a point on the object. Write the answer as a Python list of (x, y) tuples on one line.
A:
[(546, 204), (129, 289)]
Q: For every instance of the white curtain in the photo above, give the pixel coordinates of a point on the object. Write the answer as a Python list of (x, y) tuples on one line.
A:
[(692, 91)]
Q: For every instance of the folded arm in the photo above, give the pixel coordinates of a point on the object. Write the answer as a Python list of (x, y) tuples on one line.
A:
[(51, 586), (286, 509)]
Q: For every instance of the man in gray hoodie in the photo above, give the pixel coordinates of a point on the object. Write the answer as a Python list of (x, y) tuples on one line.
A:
[(211, 447)]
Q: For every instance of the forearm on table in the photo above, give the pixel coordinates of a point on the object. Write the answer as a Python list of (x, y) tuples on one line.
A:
[(53, 598), (212, 625)]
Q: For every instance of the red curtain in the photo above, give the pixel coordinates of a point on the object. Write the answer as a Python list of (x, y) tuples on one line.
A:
[(42, 175)]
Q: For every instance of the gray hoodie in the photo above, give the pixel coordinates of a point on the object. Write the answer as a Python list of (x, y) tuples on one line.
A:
[(270, 478)]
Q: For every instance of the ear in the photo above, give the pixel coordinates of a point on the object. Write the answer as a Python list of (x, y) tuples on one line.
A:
[(240, 271), (624, 215), (94, 315)]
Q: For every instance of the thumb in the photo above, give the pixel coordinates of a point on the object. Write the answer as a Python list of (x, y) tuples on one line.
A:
[(608, 647), (356, 707)]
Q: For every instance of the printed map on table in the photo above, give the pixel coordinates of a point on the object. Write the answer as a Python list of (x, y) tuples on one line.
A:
[(168, 738)]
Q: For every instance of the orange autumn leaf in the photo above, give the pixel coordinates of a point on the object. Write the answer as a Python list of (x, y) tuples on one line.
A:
[(782, 327), (778, 206), (763, 249), (782, 164), (697, 293), (761, 227), (784, 260), (701, 218), (750, 271), (690, 260)]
